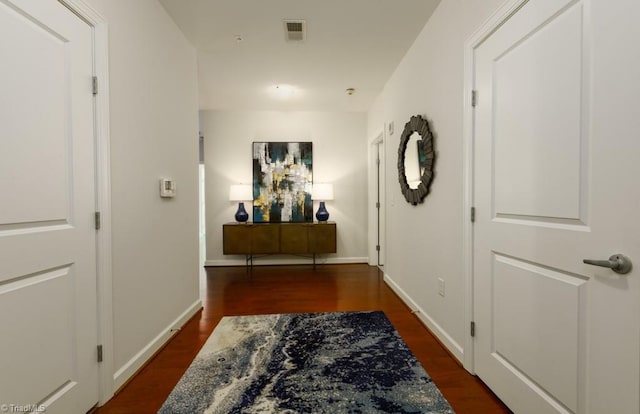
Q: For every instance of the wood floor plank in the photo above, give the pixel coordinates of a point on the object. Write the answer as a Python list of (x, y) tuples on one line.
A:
[(231, 291)]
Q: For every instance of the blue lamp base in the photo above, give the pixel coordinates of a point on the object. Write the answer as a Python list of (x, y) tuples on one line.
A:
[(241, 215), (322, 214)]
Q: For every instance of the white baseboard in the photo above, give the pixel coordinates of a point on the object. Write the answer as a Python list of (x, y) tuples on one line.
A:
[(280, 260), (456, 350), (134, 364)]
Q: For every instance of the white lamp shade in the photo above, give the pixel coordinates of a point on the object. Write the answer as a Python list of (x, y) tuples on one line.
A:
[(240, 192), (322, 192)]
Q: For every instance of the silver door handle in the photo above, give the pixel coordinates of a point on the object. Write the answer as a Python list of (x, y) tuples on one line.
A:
[(618, 263)]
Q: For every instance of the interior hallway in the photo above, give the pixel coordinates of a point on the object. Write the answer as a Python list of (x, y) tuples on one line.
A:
[(298, 289)]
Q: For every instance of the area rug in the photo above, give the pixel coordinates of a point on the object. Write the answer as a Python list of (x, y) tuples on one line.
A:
[(339, 362)]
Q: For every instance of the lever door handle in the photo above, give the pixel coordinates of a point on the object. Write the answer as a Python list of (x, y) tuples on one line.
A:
[(618, 263)]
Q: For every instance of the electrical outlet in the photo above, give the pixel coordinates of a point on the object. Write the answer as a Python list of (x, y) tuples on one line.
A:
[(441, 287)]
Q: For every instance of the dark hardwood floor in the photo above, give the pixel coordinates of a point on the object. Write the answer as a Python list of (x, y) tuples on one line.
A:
[(297, 289)]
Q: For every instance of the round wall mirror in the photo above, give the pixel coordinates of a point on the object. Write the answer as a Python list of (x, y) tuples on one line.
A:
[(415, 160)]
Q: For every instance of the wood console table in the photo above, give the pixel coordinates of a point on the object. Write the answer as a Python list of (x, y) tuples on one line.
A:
[(278, 238)]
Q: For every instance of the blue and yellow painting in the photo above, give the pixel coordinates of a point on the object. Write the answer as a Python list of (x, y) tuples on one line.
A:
[(282, 181)]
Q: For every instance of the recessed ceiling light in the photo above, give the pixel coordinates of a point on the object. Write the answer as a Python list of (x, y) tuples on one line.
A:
[(283, 91), (238, 38)]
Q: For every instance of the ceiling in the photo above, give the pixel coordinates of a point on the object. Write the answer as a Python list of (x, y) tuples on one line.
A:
[(349, 44)]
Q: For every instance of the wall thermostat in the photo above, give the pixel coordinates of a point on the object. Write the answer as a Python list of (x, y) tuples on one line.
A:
[(167, 188)]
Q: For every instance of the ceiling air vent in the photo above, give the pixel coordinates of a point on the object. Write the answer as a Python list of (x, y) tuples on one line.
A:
[(295, 30)]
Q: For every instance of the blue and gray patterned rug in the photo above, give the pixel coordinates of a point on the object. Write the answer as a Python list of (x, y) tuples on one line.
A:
[(344, 362)]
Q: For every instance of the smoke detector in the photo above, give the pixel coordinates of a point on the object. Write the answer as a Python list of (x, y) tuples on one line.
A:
[(295, 30), (350, 91)]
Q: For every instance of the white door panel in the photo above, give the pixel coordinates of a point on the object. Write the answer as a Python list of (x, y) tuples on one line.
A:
[(555, 147), (34, 131), (48, 317), (537, 324), (48, 313), (538, 147)]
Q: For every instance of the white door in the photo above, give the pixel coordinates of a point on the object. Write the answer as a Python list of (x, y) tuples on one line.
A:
[(48, 314), (556, 170)]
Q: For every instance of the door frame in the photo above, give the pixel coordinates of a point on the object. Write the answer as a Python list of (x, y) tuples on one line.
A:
[(377, 219), (103, 193), (494, 21)]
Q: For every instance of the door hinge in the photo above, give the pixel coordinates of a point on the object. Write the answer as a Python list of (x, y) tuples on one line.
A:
[(378, 205), (473, 214), (99, 353), (97, 220), (473, 329), (377, 248), (474, 98), (95, 85), (378, 161)]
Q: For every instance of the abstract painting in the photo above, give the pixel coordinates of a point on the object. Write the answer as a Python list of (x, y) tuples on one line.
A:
[(282, 181)]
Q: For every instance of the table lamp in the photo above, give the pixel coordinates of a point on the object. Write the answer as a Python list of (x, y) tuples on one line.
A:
[(322, 193), (241, 193)]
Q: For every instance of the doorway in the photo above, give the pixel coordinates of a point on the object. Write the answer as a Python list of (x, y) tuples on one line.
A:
[(202, 223), (377, 202)]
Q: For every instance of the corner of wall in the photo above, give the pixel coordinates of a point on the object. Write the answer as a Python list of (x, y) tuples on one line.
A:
[(131, 367), (451, 344)]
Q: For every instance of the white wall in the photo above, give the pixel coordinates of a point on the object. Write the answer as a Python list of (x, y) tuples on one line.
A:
[(425, 242), (339, 157), (154, 134)]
